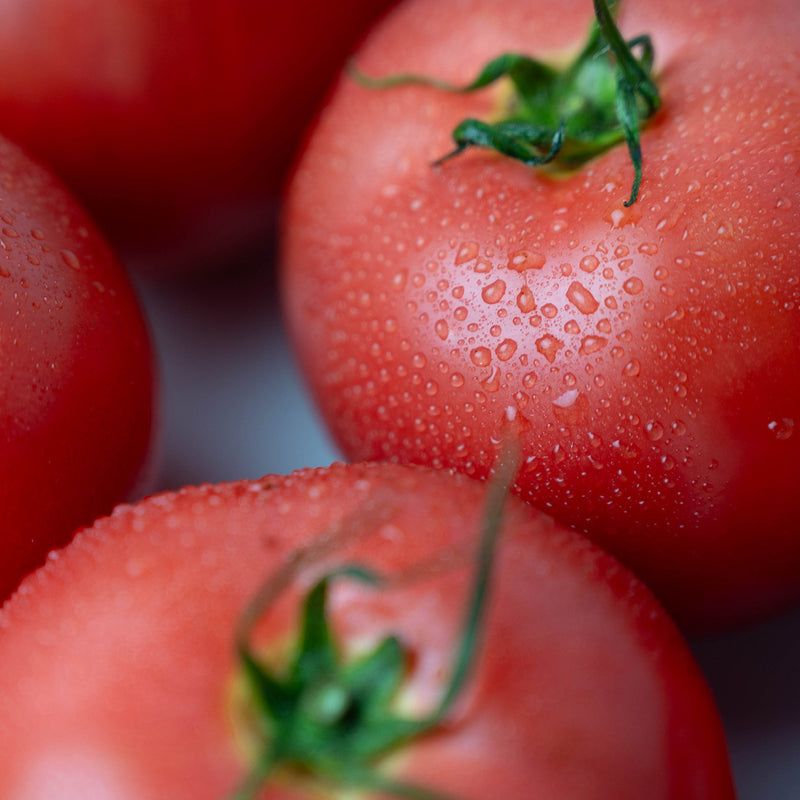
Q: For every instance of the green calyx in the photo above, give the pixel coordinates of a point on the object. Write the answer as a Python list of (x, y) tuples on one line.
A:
[(562, 118), (332, 720)]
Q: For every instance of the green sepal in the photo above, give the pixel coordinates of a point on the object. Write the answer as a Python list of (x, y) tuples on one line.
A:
[(331, 719), (561, 118)]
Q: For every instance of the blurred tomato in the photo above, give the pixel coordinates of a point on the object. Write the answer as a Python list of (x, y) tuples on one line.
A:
[(76, 370), (173, 120)]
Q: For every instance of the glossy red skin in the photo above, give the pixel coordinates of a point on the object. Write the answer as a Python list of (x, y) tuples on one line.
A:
[(116, 658), (174, 120), (77, 393), (649, 355)]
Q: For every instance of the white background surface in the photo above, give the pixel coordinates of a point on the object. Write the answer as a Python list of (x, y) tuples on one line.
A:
[(234, 406)]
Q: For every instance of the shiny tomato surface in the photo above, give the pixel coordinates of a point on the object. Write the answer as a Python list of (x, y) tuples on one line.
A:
[(77, 390), (647, 354), (118, 677)]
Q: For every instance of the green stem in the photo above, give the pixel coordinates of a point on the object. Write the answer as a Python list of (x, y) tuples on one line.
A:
[(333, 720), (558, 119)]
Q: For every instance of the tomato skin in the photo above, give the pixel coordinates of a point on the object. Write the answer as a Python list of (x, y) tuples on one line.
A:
[(174, 120), (116, 657), (77, 395), (648, 355)]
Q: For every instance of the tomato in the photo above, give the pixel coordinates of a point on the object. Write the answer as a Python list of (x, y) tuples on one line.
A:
[(119, 675), (77, 392), (649, 353), (173, 120)]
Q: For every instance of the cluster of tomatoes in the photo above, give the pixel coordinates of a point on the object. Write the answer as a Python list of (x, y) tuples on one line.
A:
[(635, 348)]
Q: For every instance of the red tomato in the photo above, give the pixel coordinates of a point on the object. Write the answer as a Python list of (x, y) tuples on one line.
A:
[(649, 354), (76, 399), (173, 120), (118, 676)]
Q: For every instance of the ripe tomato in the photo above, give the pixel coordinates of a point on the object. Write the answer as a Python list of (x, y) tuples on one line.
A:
[(173, 120), (119, 677), (648, 353), (76, 396)]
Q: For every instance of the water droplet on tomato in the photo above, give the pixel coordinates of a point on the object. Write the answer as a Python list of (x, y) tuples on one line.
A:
[(572, 327), (523, 260), (492, 382), (633, 285), (549, 346), (457, 380), (571, 408), (782, 428), (589, 263), (632, 368), (649, 248), (70, 259), (592, 344), (442, 329), (506, 349), (549, 310), (678, 427), (627, 451), (525, 301), (654, 430), (582, 298), (481, 356), (467, 252), (493, 293)]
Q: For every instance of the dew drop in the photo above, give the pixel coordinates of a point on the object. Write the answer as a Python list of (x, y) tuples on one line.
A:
[(649, 248), (467, 252), (549, 346), (481, 356), (493, 293), (782, 428), (399, 280), (442, 329), (70, 259), (627, 451), (549, 310), (528, 380), (654, 430), (492, 383), (633, 285), (582, 298), (523, 260), (525, 301), (456, 380), (592, 344), (589, 263), (572, 327), (506, 349)]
